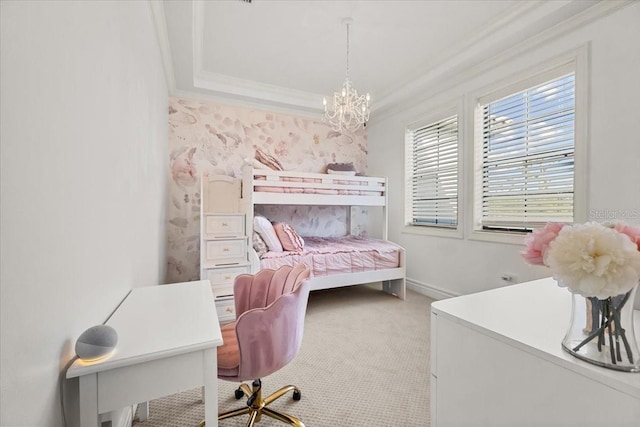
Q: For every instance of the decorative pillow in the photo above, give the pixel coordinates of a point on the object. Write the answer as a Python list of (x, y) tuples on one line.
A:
[(341, 167), (268, 160), (259, 245), (255, 163), (268, 234), (288, 236), (349, 173)]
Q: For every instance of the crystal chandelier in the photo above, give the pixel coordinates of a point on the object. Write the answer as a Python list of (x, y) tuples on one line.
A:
[(348, 110)]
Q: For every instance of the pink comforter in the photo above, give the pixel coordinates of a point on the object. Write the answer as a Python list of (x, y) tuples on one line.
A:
[(349, 254)]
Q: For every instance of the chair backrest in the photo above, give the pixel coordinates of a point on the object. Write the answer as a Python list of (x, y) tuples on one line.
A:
[(261, 289), (269, 327)]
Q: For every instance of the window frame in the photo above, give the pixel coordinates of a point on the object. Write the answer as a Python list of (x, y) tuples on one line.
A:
[(575, 61), (434, 116)]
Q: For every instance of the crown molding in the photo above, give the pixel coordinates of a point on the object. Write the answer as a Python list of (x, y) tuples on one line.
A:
[(454, 74), (259, 92), (520, 14), (251, 91), (524, 26), (222, 89), (247, 103)]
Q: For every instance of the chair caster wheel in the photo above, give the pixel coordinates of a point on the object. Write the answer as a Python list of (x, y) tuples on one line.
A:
[(239, 393), (297, 395)]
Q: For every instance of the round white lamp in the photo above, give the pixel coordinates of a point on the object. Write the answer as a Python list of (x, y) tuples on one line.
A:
[(96, 342)]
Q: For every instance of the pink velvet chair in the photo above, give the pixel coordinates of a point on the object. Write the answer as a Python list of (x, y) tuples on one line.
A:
[(267, 333)]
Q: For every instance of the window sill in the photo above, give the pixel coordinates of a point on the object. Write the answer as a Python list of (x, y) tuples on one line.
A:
[(498, 237), (454, 233)]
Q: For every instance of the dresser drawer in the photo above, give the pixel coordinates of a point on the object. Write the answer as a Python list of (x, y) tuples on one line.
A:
[(223, 225), (225, 251), (226, 309), (222, 279)]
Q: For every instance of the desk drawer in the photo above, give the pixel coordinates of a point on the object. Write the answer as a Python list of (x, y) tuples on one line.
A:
[(224, 225), (225, 251)]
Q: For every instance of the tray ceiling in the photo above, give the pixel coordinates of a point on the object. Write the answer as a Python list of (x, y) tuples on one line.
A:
[(288, 54)]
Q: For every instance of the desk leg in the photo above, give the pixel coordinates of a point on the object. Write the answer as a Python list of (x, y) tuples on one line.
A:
[(210, 395), (89, 416)]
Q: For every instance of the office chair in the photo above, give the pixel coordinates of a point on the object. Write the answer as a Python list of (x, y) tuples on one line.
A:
[(266, 336)]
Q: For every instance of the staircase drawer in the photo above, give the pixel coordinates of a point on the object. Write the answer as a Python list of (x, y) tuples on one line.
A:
[(223, 226), (225, 251)]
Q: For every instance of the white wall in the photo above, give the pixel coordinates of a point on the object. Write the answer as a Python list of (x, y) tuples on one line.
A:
[(84, 183), (462, 266)]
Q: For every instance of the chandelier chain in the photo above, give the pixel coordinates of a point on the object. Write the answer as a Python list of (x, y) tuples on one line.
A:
[(347, 51)]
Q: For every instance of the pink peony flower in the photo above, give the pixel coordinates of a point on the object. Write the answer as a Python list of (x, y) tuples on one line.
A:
[(538, 242), (594, 261), (632, 232)]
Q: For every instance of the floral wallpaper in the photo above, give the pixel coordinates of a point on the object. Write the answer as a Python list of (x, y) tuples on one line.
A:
[(205, 137)]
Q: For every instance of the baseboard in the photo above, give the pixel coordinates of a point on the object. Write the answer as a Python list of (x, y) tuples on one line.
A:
[(429, 290)]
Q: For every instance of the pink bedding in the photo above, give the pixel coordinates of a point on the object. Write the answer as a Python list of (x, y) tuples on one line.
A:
[(350, 254)]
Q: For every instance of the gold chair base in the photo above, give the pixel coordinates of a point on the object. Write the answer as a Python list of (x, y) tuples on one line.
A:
[(259, 406)]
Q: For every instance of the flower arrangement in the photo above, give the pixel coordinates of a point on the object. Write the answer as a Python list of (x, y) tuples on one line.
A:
[(591, 259), (602, 264)]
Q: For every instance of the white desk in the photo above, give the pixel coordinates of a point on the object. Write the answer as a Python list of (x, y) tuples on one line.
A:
[(497, 360), (167, 339)]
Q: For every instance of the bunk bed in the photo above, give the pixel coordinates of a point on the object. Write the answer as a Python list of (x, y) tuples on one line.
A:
[(335, 262)]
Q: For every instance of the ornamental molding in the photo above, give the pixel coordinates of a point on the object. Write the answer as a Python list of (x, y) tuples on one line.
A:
[(525, 26)]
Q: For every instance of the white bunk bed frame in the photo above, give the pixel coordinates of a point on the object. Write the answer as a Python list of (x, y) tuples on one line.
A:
[(393, 279)]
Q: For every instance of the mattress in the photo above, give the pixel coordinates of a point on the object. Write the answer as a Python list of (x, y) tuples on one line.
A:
[(330, 255)]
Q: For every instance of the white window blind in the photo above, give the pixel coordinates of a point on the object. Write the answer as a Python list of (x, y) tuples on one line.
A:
[(527, 167), (432, 165)]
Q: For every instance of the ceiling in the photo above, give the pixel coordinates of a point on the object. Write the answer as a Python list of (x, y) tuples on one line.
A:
[(288, 55)]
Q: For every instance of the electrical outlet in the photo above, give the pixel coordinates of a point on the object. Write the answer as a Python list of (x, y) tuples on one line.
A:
[(509, 278)]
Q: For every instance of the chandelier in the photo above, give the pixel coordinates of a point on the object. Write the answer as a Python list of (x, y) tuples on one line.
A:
[(348, 110)]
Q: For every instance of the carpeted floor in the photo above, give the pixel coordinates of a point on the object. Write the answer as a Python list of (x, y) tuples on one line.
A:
[(364, 362)]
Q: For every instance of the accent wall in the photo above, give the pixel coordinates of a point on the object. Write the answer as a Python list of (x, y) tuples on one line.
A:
[(214, 139)]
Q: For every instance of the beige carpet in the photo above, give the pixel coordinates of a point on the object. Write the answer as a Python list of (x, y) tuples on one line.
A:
[(364, 362)]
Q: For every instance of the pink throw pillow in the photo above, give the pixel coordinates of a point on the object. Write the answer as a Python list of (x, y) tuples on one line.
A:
[(288, 236)]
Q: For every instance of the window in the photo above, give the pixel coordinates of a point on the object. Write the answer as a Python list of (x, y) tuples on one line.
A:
[(525, 151), (432, 174)]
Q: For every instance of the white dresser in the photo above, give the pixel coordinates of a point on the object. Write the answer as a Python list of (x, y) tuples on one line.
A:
[(496, 360), (223, 241)]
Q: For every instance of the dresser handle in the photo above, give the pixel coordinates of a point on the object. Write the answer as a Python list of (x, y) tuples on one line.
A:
[(224, 224), (227, 277), (229, 310), (225, 249)]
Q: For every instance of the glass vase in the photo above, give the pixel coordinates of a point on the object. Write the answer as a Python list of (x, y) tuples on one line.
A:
[(601, 332)]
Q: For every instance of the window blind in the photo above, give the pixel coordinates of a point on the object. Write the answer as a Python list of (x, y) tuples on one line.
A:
[(528, 141), (433, 168)]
